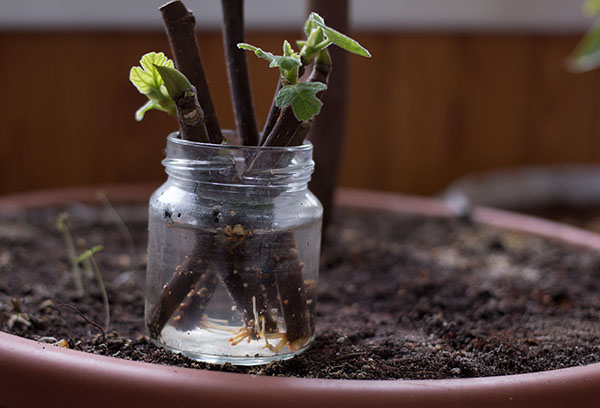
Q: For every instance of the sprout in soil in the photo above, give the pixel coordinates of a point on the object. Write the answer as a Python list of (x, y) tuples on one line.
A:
[(180, 89)]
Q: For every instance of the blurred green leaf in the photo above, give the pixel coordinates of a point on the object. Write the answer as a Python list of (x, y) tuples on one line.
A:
[(587, 54), (591, 8)]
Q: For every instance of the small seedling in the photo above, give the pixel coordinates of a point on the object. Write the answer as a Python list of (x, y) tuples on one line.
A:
[(62, 227), (88, 256)]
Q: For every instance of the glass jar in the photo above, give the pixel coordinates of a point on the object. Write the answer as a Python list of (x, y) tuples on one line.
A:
[(233, 253)]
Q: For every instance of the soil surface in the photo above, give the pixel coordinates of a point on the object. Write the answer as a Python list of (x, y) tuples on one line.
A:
[(399, 296)]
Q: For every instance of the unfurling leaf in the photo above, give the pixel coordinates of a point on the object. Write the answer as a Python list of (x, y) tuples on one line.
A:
[(279, 61), (335, 37), (148, 81), (175, 82), (147, 77), (303, 99)]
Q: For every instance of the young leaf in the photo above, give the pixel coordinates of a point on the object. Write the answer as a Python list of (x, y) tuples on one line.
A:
[(337, 38), (284, 62), (149, 82), (288, 64), (288, 51), (587, 54), (303, 99), (147, 77)]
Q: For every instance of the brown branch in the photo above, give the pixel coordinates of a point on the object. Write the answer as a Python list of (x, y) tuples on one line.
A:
[(272, 117), (192, 307), (174, 292), (191, 118), (301, 133), (284, 129), (237, 68), (327, 133), (180, 24)]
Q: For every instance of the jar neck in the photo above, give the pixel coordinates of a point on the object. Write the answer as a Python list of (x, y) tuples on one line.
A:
[(267, 170)]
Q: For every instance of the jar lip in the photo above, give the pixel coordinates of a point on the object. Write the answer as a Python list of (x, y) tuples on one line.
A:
[(173, 138)]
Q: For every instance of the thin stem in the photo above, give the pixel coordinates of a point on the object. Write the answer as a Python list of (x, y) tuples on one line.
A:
[(83, 316), (237, 68), (180, 24)]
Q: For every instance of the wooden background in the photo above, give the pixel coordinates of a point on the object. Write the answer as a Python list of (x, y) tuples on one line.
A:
[(424, 110)]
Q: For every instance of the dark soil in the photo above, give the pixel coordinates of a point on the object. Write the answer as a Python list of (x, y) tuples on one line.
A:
[(399, 296)]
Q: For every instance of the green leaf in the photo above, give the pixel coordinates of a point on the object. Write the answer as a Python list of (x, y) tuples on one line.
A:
[(285, 62), (587, 54), (259, 52), (337, 38), (147, 77), (89, 253), (303, 99)]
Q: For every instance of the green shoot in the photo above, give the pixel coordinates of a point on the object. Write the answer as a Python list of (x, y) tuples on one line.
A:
[(88, 256), (176, 83), (149, 82), (302, 97), (61, 226)]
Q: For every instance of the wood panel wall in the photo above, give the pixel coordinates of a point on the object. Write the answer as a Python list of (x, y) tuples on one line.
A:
[(424, 110)]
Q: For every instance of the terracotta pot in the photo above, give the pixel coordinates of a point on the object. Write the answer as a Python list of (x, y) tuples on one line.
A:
[(33, 373), (526, 187)]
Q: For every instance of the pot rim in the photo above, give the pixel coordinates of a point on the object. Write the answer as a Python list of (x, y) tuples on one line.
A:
[(57, 371)]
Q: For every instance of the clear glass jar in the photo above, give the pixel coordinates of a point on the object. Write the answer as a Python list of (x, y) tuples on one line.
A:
[(233, 253)]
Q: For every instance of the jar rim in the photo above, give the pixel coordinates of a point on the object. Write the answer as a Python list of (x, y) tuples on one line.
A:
[(174, 138)]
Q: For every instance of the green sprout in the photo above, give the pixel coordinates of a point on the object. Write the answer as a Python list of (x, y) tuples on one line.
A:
[(302, 96), (61, 226), (162, 83), (88, 257)]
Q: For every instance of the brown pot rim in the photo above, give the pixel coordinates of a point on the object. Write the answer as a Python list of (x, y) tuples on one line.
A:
[(32, 372)]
